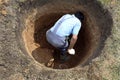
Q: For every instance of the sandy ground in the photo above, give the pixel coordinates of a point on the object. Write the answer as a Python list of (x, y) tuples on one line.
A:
[(17, 23)]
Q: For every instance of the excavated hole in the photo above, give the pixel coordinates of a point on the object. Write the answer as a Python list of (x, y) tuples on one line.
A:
[(95, 30), (47, 21), (44, 51)]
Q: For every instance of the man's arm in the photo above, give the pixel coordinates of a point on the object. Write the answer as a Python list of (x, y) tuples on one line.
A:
[(72, 41)]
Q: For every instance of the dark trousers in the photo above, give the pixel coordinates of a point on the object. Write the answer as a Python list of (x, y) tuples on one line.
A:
[(58, 42)]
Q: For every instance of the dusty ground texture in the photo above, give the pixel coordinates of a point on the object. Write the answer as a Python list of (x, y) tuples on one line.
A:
[(15, 64)]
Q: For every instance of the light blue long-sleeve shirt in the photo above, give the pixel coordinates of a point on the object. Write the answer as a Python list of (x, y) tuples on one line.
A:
[(68, 24)]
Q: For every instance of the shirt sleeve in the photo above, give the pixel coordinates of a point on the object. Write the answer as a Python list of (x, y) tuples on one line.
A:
[(76, 28)]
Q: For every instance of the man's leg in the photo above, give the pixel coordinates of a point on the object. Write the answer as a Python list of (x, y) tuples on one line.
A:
[(59, 45), (63, 52)]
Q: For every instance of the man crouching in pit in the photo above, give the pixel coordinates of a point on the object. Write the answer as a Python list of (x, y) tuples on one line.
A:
[(58, 35)]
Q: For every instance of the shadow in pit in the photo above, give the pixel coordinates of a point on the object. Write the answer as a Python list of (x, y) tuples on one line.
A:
[(42, 55), (46, 52)]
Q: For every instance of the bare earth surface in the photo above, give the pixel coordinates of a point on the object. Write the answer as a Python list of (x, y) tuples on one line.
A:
[(23, 54)]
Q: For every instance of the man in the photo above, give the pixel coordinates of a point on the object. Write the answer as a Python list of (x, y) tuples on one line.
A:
[(58, 35)]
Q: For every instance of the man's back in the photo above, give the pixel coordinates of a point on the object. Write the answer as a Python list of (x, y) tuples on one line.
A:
[(66, 25)]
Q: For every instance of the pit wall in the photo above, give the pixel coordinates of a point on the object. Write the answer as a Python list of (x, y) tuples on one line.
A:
[(95, 32)]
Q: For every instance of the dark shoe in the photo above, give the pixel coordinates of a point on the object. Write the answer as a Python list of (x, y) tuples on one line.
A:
[(64, 58)]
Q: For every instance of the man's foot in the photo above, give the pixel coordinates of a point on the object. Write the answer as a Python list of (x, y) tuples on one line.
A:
[(64, 58)]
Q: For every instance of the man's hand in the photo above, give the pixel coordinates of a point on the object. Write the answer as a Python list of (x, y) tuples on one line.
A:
[(71, 51), (72, 43)]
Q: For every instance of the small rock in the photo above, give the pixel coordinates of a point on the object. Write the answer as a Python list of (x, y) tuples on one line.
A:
[(16, 77), (3, 12)]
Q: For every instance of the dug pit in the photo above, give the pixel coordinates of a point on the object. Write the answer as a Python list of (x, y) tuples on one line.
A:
[(82, 48), (95, 29)]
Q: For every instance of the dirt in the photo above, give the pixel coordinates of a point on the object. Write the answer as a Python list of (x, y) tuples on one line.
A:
[(24, 50), (88, 40)]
